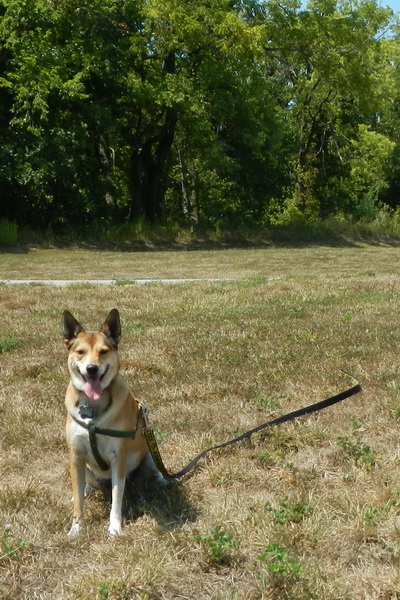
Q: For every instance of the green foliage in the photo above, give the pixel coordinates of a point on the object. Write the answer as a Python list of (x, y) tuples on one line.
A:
[(119, 589), (363, 455), (8, 233), (218, 545), (263, 402), (10, 545), (371, 515), (8, 343), (277, 563), (367, 157), (289, 512), (209, 114), (396, 412)]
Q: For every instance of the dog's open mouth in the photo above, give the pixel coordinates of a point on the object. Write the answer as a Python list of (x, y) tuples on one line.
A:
[(92, 386)]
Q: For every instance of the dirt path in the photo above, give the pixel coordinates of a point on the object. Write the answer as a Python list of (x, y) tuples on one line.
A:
[(65, 282)]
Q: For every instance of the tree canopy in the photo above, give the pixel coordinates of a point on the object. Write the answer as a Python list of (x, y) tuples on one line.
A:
[(210, 112)]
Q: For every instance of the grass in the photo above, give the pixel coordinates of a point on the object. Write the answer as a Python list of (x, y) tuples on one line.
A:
[(346, 261), (8, 343), (307, 510)]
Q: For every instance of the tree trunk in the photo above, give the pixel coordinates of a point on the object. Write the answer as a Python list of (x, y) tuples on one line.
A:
[(301, 185), (149, 160)]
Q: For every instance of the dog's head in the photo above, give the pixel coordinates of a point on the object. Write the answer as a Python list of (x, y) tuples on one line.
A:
[(93, 356)]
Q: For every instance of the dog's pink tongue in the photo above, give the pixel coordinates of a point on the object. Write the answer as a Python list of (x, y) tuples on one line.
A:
[(93, 389)]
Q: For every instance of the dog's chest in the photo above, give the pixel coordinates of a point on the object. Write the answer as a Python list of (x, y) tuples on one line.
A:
[(109, 448)]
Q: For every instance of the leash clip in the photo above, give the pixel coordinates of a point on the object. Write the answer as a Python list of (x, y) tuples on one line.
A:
[(145, 415)]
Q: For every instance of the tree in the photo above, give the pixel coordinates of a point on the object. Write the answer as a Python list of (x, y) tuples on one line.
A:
[(219, 112), (62, 85), (332, 58)]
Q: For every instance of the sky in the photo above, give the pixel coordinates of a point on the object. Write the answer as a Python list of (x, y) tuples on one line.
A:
[(393, 4)]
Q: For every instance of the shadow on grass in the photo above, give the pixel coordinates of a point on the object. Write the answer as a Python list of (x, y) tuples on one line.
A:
[(167, 503), (163, 239), (327, 233)]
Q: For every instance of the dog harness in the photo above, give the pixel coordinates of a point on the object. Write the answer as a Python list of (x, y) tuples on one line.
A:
[(94, 431)]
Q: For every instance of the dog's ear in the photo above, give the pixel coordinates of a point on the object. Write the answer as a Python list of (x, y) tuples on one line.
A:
[(112, 327), (71, 327)]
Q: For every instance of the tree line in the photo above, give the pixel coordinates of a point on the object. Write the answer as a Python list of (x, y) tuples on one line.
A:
[(220, 113)]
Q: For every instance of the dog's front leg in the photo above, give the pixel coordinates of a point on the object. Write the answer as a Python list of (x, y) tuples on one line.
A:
[(77, 471), (118, 477)]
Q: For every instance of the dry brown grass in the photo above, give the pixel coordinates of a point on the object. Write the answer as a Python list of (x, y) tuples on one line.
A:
[(235, 263), (212, 359)]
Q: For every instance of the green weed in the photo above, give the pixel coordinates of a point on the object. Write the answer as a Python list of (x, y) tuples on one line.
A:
[(346, 318), (8, 343), (10, 545), (277, 563), (289, 512), (363, 455), (218, 545), (124, 281), (263, 402), (371, 515), (265, 457), (160, 435), (356, 423), (116, 590)]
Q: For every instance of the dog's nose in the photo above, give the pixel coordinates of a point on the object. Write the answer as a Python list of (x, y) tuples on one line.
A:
[(92, 370)]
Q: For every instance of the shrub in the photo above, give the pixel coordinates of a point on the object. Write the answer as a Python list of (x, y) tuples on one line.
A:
[(8, 233)]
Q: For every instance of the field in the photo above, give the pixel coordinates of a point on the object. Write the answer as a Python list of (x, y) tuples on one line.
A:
[(307, 510)]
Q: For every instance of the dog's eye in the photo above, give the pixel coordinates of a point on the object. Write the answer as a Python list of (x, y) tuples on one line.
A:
[(104, 351), (80, 352)]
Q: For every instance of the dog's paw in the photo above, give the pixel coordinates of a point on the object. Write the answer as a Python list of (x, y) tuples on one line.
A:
[(75, 530), (115, 524), (115, 530)]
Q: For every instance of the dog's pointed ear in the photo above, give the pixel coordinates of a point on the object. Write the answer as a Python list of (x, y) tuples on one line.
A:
[(112, 327), (71, 327)]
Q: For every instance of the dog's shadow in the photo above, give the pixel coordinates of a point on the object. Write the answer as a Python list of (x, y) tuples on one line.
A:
[(166, 502)]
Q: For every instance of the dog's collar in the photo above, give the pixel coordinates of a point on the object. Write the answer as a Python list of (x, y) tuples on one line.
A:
[(89, 410)]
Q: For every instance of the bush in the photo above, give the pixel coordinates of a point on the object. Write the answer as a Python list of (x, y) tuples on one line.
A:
[(8, 233)]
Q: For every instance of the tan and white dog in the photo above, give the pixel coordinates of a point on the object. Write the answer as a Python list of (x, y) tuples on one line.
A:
[(98, 396)]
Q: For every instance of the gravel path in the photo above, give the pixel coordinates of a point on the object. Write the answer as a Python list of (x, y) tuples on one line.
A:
[(65, 282)]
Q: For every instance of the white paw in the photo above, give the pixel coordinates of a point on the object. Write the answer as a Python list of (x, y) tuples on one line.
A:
[(75, 530), (115, 530), (115, 526)]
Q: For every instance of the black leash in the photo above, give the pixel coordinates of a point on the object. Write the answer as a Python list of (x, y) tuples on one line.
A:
[(148, 431), (153, 447)]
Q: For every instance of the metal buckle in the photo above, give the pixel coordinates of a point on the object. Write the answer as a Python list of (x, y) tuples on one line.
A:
[(145, 415)]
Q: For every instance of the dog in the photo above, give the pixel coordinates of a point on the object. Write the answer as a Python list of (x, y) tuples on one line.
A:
[(98, 398)]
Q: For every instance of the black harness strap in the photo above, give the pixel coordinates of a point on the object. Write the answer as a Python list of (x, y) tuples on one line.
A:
[(152, 443), (94, 430), (93, 444)]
